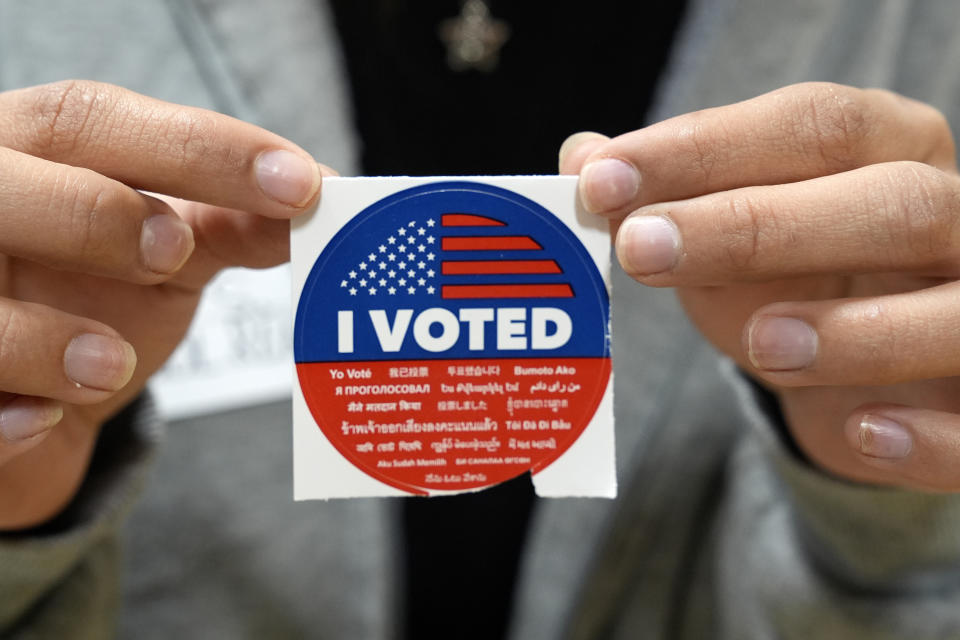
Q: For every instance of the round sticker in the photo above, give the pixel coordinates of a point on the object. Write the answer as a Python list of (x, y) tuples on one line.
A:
[(452, 336)]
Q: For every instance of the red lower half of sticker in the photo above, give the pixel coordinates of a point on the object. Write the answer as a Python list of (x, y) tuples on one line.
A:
[(453, 425)]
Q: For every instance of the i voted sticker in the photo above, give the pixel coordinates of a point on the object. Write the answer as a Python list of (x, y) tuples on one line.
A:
[(448, 335)]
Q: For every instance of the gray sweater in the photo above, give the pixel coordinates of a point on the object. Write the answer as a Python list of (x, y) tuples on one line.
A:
[(718, 531)]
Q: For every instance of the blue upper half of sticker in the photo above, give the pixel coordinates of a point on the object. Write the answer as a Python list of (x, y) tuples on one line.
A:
[(452, 270)]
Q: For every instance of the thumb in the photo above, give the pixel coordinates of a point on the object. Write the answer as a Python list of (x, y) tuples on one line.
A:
[(575, 150)]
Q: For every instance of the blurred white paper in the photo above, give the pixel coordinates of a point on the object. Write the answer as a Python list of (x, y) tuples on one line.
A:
[(238, 351)]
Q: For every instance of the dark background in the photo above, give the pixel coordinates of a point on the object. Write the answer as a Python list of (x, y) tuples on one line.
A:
[(566, 67)]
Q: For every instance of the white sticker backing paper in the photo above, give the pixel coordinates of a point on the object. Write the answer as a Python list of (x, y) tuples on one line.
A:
[(451, 334)]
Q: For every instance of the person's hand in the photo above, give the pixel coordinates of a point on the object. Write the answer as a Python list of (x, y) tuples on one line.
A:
[(813, 235), (98, 281)]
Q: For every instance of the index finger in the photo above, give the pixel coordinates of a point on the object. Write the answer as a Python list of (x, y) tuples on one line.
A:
[(157, 146), (797, 133)]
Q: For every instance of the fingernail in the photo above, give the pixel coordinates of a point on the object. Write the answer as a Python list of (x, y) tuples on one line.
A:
[(648, 244), (25, 418), (99, 362), (781, 344), (883, 438), (608, 184), (165, 243), (287, 177)]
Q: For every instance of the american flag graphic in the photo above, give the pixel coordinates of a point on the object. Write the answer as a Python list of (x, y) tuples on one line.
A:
[(461, 256)]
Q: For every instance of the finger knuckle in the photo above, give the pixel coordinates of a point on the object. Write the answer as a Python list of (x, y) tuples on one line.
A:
[(189, 138), (62, 112), (925, 126), (832, 123), (11, 334), (873, 327), (933, 119), (87, 205), (921, 203), (742, 226), (700, 142), (942, 145)]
